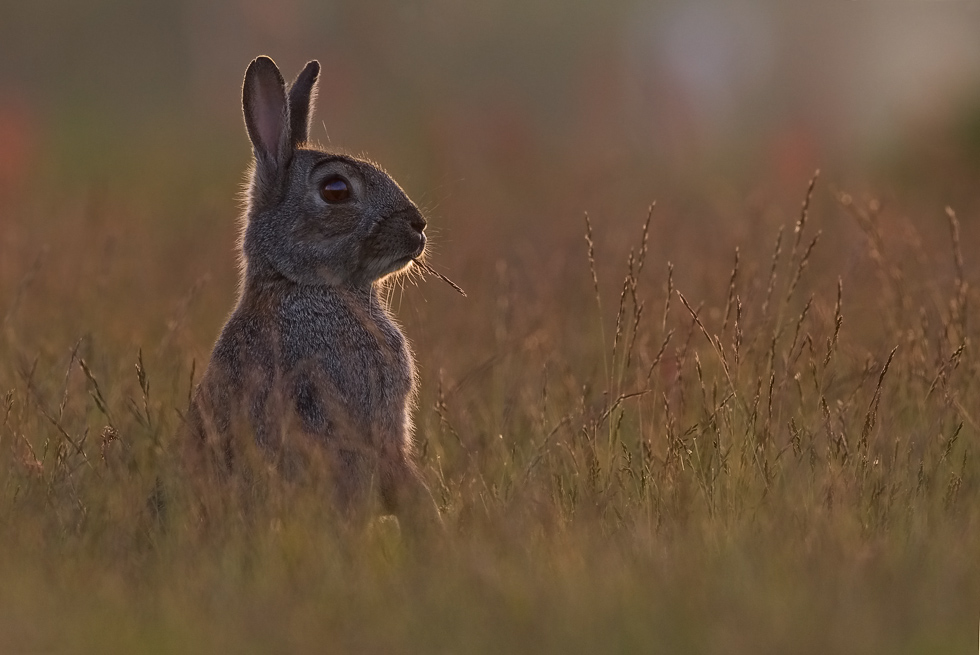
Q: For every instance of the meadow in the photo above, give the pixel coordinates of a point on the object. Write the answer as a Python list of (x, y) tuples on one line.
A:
[(697, 399), (771, 449)]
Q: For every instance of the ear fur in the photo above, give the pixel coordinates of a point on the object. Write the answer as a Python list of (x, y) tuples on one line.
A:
[(302, 98), (267, 118)]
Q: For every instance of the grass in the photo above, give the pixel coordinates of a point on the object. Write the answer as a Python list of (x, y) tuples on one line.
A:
[(774, 451)]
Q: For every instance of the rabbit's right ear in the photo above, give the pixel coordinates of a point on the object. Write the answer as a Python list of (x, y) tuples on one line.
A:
[(302, 97), (267, 118)]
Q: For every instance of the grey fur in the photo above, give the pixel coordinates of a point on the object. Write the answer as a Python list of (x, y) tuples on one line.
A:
[(311, 352)]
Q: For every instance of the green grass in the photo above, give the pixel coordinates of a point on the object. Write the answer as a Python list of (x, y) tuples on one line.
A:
[(768, 453)]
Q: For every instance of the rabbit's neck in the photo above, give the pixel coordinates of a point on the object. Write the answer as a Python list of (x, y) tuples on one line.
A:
[(260, 280), (368, 300)]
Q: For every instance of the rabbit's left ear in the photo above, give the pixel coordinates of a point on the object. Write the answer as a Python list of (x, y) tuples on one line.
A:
[(302, 98), (267, 117)]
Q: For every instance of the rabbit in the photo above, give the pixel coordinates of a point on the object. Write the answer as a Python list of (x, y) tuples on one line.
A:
[(311, 353)]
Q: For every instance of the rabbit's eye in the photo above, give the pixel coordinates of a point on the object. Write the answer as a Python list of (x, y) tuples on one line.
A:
[(335, 189)]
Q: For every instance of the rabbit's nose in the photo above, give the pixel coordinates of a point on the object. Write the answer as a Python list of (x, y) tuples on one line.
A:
[(417, 222)]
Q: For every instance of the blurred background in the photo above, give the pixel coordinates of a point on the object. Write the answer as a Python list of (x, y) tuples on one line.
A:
[(451, 90), (121, 133)]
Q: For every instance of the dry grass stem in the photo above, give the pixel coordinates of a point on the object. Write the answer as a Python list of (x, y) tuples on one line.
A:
[(431, 271)]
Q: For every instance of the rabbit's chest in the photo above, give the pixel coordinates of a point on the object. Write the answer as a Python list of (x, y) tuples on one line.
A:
[(347, 366)]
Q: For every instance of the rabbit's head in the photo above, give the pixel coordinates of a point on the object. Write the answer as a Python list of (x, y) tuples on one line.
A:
[(316, 217)]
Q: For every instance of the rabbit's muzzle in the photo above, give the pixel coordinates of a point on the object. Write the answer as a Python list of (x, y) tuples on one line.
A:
[(417, 221), (417, 224), (421, 248), (397, 240)]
